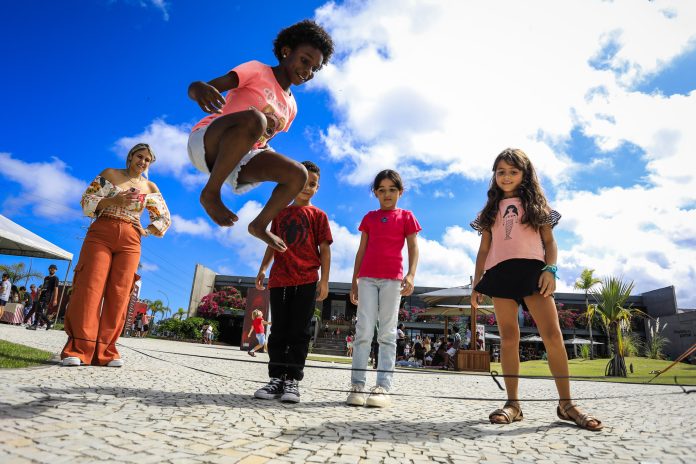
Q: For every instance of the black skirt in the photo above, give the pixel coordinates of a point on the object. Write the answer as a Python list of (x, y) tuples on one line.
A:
[(513, 279)]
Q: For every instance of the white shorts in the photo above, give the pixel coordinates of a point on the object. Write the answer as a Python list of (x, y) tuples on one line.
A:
[(451, 351), (196, 152)]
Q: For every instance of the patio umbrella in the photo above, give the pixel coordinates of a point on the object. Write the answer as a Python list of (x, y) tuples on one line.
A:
[(580, 341), (491, 336), (453, 296), (531, 338), (455, 310)]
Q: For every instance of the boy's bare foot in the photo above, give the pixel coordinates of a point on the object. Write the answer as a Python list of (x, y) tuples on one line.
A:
[(270, 239), (216, 209)]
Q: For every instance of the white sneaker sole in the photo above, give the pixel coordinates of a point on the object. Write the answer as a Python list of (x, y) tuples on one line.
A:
[(71, 361)]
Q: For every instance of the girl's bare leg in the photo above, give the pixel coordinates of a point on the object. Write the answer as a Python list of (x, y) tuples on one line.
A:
[(290, 176), (506, 317), (543, 310), (226, 141)]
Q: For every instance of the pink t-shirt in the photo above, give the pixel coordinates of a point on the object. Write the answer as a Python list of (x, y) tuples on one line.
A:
[(510, 238), (258, 88), (386, 234)]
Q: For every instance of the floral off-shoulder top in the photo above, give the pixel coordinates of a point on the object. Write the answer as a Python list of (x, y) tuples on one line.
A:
[(101, 188)]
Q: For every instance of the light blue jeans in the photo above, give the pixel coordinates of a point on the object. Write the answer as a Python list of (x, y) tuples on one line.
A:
[(378, 302)]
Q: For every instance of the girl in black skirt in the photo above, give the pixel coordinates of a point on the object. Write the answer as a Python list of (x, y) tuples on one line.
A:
[(518, 254)]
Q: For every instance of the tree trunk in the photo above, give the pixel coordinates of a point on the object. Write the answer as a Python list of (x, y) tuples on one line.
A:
[(617, 364), (589, 325)]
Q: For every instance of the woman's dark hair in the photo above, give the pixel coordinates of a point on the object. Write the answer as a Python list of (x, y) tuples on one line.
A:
[(536, 208), (512, 208), (392, 176), (305, 32)]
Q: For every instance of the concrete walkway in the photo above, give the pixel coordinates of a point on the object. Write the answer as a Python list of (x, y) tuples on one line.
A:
[(163, 410)]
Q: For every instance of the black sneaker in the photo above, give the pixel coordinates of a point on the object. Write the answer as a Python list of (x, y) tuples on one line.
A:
[(271, 391), (31, 327), (291, 392)]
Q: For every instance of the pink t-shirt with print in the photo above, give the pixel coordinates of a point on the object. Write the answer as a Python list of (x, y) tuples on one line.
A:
[(258, 88), (386, 234), (510, 239)]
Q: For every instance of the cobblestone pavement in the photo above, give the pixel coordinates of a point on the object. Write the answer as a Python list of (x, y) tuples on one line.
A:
[(164, 410)]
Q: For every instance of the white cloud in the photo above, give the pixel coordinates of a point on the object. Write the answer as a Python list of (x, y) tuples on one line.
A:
[(163, 6), (438, 89), (46, 188), (198, 227), (148, 267), (169, 142)]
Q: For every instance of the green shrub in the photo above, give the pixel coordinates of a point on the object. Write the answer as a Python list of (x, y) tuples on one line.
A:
[(585, 351)]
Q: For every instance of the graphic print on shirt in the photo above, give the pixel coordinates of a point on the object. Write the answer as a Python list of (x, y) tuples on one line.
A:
[(294, 228), (509, 218)]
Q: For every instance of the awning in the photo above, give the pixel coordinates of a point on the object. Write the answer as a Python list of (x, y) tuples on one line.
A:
[(16, 240)]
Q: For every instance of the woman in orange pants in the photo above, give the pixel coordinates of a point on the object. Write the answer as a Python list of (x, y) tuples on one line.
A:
[(105, 272)]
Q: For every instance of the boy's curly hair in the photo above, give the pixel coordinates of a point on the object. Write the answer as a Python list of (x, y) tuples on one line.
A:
[(311, 167), (304, 32)]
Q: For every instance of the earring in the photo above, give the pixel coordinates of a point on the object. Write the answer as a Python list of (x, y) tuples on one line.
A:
[(285, 56)]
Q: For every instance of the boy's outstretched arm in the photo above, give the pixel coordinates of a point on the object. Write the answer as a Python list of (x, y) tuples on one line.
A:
[(265, 262), (407, 285), (208, 95), (325, 258)]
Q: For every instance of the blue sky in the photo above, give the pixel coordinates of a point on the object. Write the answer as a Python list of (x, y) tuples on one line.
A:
[(435, 92)]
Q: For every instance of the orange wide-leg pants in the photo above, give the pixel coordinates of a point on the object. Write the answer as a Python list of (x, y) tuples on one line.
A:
[(103, 282)]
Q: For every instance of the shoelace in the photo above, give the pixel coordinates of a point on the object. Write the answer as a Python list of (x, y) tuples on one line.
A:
[(291, 386), (273, 385), (377, 391)]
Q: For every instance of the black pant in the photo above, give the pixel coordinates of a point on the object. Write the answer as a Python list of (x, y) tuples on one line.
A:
[(292, 309), (38, 310)]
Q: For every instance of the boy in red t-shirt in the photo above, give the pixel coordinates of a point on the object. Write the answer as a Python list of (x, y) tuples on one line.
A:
[(295, 284)]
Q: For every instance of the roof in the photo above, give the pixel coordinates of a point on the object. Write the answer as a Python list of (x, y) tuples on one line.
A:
[(16, 240)]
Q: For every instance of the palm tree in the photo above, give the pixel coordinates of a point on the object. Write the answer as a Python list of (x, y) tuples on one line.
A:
[(156, 307), (180, 313), (585, 283), (17, 273), (611, 306)]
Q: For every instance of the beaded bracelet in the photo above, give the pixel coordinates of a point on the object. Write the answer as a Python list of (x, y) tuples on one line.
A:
[(552, 268)]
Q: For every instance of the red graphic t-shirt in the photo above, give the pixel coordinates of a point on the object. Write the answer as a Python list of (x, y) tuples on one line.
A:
[(303, 229), (258, 325)]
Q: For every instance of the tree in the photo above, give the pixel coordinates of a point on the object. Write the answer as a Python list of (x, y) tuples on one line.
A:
[(585, 283), (611, 306), (180, 313), (156, 307), (657, 341), (17, 273)]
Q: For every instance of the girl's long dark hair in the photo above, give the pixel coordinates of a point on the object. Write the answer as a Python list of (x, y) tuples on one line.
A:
[(536, 208)]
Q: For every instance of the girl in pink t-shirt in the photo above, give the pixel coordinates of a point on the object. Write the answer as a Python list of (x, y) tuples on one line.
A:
[(231, 144), (378, 284), (516, 263)]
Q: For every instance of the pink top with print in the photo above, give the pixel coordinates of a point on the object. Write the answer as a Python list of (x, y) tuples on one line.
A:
[(258, 88), (386, 234), (510, 238)]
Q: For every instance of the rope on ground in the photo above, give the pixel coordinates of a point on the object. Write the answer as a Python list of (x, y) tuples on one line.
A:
[(493, 375)]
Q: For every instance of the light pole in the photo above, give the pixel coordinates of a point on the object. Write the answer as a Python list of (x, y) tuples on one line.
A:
[(165, 295)]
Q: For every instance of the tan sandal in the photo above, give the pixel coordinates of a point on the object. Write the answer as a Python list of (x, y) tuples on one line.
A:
[(582, 419), (511, 412)]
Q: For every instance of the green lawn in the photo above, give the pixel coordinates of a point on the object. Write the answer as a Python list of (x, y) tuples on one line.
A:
[(686, 373), (13, 356)]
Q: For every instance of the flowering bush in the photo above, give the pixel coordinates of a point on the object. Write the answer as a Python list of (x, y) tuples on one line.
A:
[(228, 298), (413, 313), (567, 318)]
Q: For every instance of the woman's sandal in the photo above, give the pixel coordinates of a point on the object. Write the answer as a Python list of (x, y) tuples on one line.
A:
[(582, 419), (511, 412)]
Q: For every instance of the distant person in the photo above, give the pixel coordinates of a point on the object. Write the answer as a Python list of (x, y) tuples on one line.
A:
[(232, 143), (48, 298), (146, 325), (516, 262), (378, 285), (258, 328), (106, 272), (5, 290), (299, 278)]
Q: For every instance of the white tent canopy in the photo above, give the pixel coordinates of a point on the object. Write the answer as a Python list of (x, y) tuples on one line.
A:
[(16, 240)]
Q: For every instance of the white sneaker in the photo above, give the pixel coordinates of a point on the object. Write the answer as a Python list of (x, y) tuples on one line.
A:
[(115, 363), (356, 397), (378, 398), (71, 361)]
